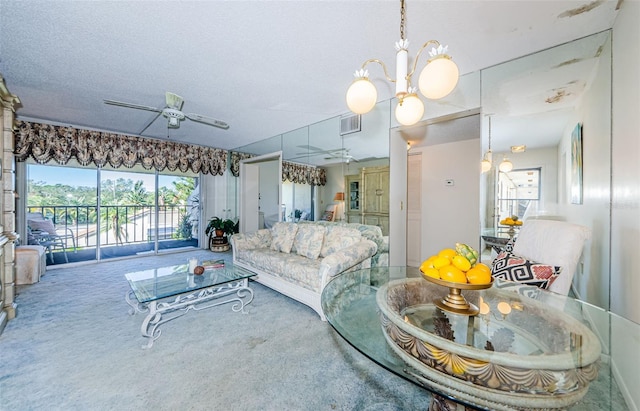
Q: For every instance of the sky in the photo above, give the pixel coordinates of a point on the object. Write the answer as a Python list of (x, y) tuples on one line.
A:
[(80, 177)]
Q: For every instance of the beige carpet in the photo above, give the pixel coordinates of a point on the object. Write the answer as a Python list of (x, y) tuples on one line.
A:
[(74, 346)]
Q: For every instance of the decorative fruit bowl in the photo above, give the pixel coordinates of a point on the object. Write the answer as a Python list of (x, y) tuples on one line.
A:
[(455, 302)]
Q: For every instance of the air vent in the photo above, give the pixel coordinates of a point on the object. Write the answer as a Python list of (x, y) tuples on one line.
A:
[(349, 124)]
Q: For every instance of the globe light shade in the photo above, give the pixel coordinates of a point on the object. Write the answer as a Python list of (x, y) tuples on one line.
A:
[(505, 166), (361, 96), (485, 165), (409, 110), (438, 78)]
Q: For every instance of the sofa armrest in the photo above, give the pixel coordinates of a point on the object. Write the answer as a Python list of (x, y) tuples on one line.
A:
[(251, 241), (346, 258)]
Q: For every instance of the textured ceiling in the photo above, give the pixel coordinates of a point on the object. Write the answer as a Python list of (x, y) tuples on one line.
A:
[(264, 67)]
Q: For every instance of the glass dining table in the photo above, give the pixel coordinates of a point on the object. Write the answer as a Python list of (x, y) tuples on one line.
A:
[(526, 349)]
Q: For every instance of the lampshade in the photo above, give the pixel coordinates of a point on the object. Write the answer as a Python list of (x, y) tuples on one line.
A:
[(505, 166), (361, 96), (339, 197), (438, 78), (409, 110), (485, 165)]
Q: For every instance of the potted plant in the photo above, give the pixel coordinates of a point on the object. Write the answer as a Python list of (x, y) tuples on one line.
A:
[(219, 227)]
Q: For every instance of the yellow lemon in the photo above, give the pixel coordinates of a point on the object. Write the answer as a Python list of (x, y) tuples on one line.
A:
[(440, 262), (452, 274), (428, 263), (478, 276), (431, 272), (461, 262), (483, 267), (447, 253)]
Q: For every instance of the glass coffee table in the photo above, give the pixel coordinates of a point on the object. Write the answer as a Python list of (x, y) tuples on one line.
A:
[(531, 351), (167, 293)]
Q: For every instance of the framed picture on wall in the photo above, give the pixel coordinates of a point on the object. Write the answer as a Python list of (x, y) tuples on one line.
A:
[(576, 165)]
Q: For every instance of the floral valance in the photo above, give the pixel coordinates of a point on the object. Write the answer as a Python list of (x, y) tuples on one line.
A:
[(296, 173), (45, 142)]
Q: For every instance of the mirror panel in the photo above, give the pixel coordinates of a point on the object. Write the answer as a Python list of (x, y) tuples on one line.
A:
[(537, 101)]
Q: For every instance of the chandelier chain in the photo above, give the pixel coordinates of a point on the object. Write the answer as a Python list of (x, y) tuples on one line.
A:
[(489, 133), (402, 19)]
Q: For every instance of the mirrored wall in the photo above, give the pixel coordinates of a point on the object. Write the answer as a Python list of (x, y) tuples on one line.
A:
[(533, 108), (535, 101)]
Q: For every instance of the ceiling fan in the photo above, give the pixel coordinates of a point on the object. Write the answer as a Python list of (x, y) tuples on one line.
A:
[(172, 112)]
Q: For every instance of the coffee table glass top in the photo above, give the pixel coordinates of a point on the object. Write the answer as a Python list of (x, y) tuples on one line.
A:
[(350, 306), (157, 283)]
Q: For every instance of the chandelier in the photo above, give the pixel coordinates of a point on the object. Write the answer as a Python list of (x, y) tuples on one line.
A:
[(438, 78)]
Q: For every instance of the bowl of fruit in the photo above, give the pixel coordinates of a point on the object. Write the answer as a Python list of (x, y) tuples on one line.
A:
[(457, 269), (511, 222)]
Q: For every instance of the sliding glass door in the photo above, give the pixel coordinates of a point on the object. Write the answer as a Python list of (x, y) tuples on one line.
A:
[(111, 213)]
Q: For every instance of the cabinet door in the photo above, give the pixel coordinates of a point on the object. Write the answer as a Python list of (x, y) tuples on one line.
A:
[(371, 192)]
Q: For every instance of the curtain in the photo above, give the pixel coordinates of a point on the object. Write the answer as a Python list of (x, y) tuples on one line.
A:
[(45, 142), (294, 172)]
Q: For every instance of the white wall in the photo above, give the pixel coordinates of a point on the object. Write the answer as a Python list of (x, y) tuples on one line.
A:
[(450, 213), (591, 281), (625, 222)]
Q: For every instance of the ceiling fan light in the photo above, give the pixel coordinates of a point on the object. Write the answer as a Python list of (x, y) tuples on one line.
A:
[(361, 96), (174, 122), (439, 77), (409, 110)]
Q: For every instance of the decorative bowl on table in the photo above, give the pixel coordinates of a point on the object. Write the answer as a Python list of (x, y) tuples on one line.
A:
[(536, 358), (455, 302)]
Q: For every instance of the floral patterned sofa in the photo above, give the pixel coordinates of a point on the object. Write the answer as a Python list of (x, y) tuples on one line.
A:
[(299, 259), (370, 232)]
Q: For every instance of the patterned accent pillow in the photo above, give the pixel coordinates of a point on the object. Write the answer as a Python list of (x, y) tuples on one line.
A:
[(309, 239), (338, 238), (511, 267), (509, 246), (282, 236)]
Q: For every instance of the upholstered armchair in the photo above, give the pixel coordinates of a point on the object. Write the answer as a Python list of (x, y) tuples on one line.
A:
[(545, 253)]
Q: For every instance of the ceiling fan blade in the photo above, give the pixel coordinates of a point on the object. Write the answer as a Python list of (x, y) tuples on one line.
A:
[(174, 101), (149, 123), (207, 120), (130, 105)]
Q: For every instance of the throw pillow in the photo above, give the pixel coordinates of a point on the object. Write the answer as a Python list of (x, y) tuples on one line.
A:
[(511, 267), (42, 225), (309, 239), (327, 216), (282, 236), (338, 238), (509, 246)]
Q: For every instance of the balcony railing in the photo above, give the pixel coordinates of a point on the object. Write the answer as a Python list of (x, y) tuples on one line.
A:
[(117, 225)]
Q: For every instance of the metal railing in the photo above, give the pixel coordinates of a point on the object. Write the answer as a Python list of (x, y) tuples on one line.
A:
[(113, 225)]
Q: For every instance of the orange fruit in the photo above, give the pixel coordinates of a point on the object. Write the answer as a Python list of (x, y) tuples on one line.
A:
[(447, 253), (483, 267), (452, 274), (431, 272), (478, 276), (440, 262), (461, 262)]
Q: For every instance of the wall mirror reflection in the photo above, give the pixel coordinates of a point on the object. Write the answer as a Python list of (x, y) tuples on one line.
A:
[(536, 102)]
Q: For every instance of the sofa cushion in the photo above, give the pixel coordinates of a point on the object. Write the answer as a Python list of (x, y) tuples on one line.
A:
[(309, 239), (337, 238), (282, 236), (511, 267)]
